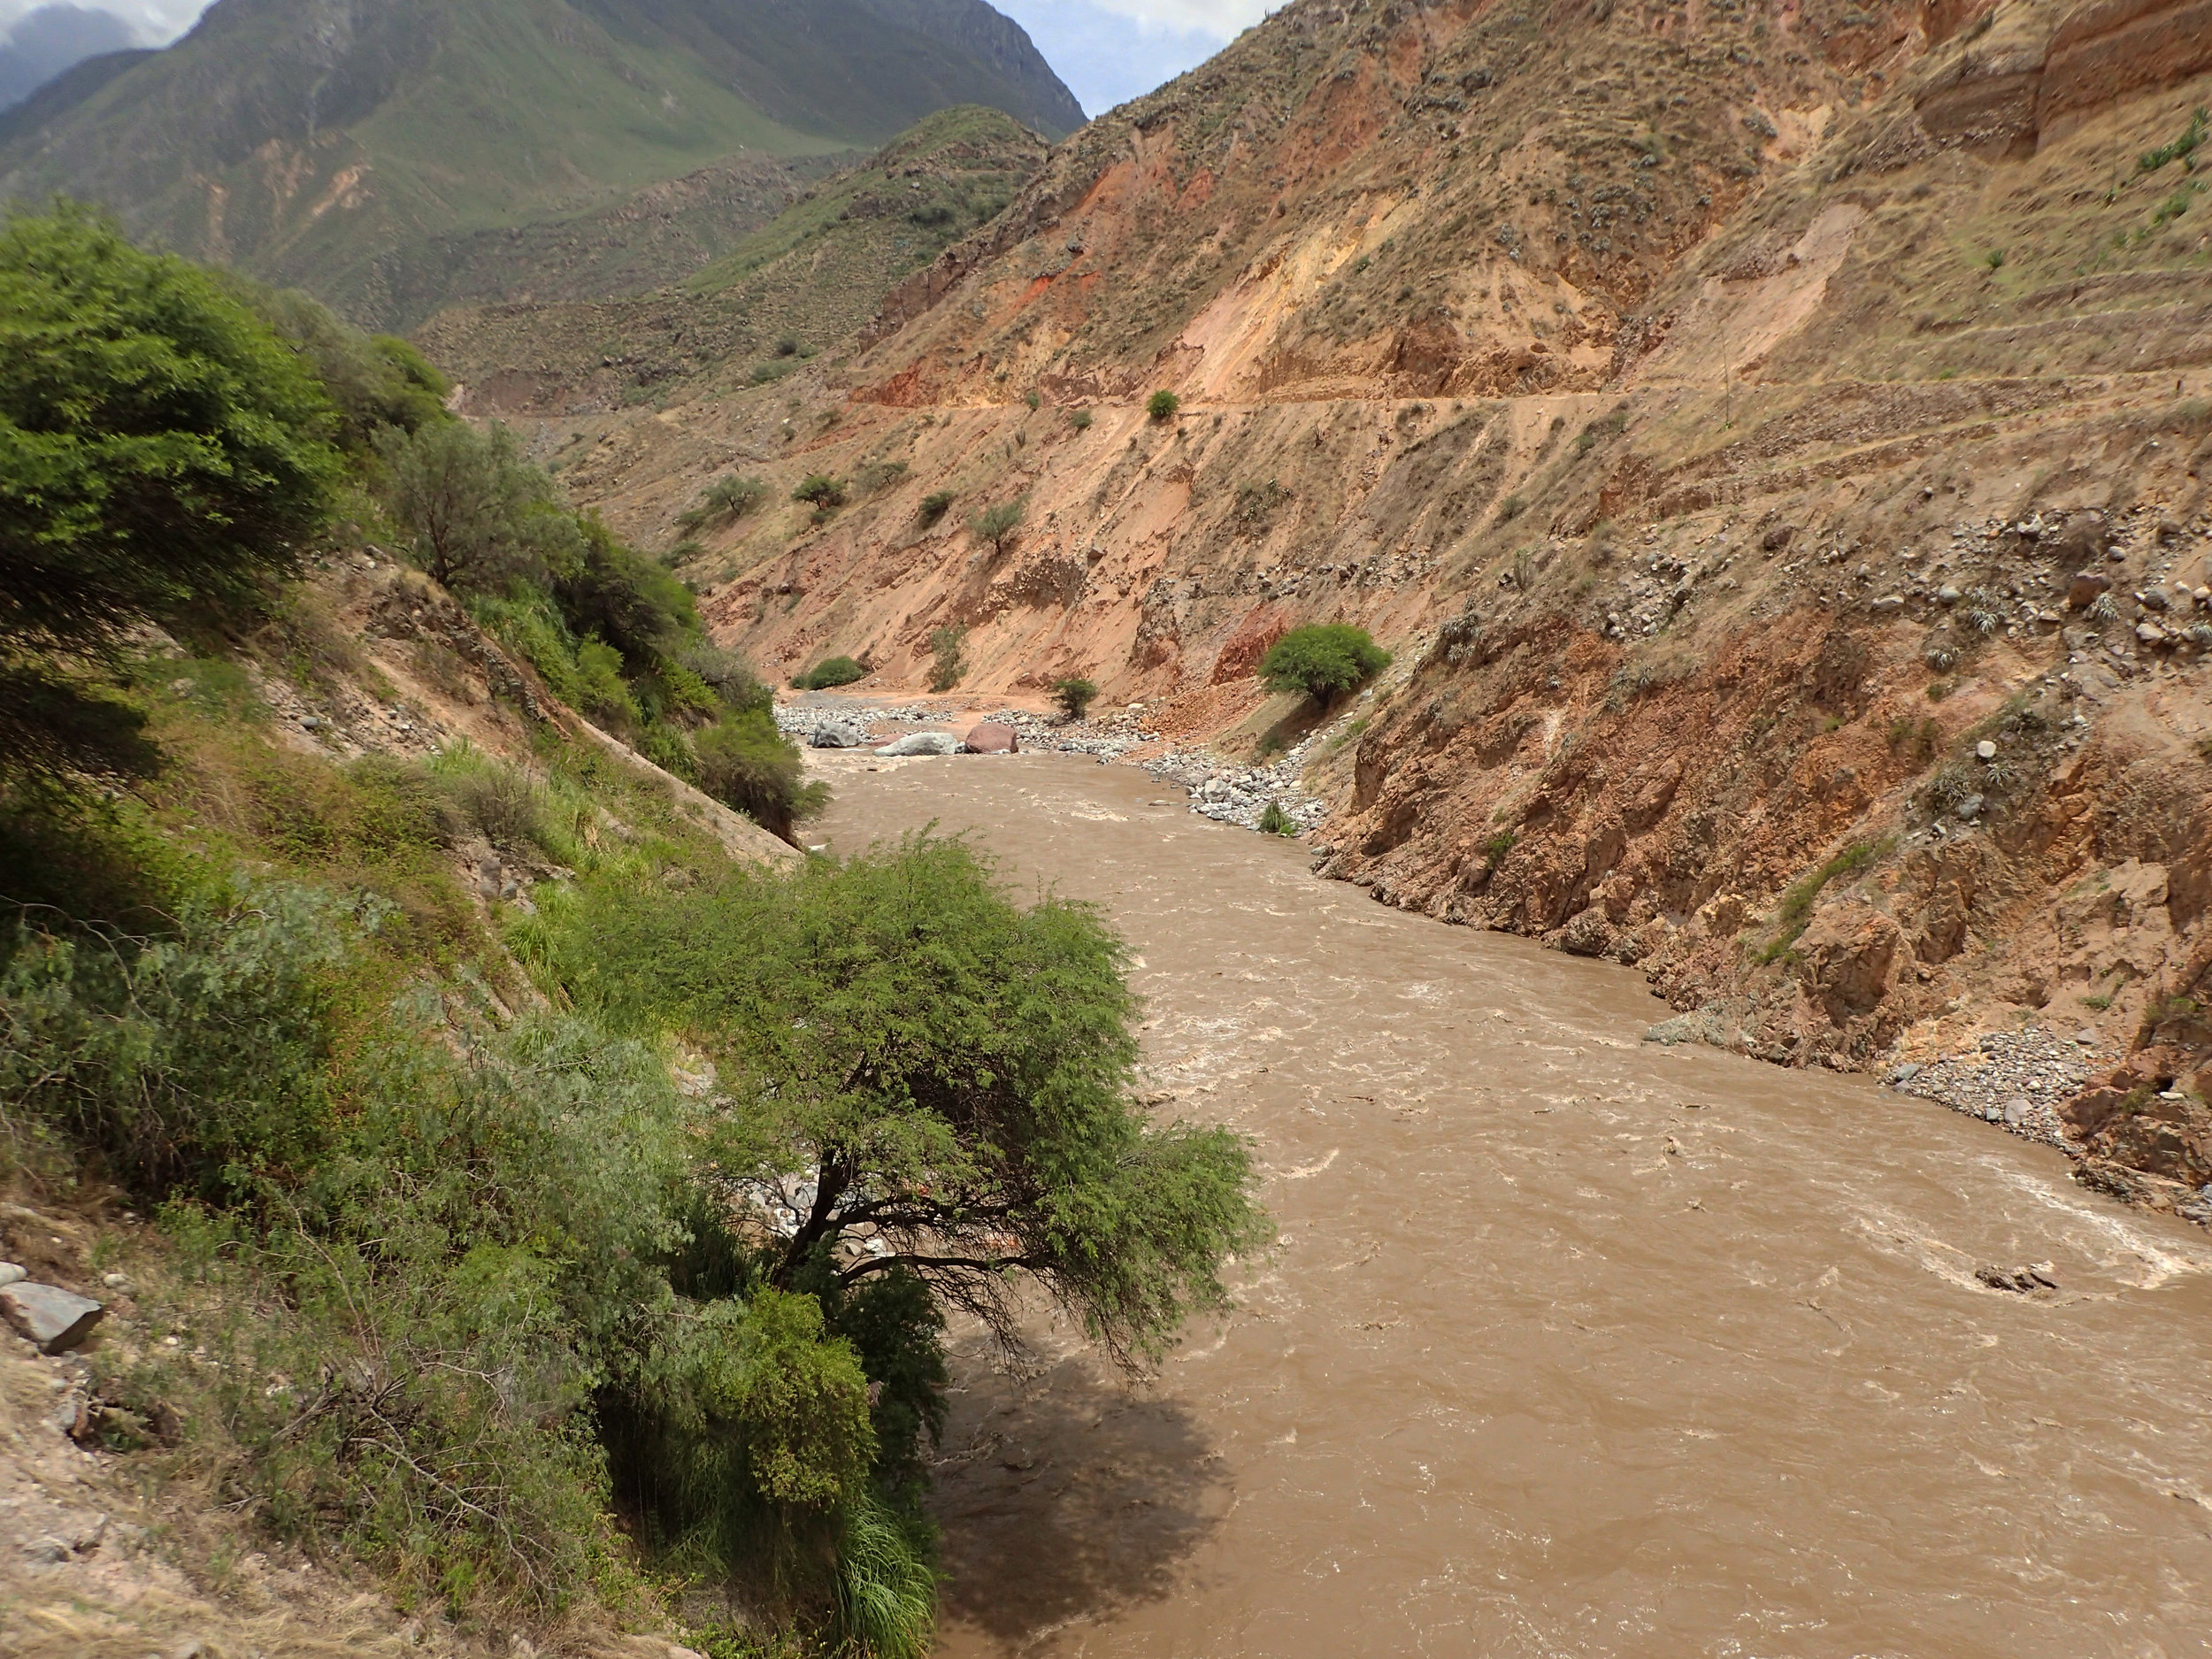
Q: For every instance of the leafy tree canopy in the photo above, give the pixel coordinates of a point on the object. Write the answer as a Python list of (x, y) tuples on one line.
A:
[(478, 515), (935, 1081), (159, 444), (1323, 662)]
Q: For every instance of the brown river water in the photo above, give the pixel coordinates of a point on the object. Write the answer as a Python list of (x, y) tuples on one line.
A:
[(1572, 1344)]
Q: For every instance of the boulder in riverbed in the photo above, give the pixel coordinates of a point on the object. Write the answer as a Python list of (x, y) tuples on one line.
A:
[(922, 743), (991, 738), (838, 737)]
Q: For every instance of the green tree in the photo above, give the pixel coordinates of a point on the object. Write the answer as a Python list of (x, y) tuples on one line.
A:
[(373, 381), (1323, 661), (477, 514), (934, 1081), (998, 525), (1074, 697), (1161, 405), (730, 498), (159, 444)]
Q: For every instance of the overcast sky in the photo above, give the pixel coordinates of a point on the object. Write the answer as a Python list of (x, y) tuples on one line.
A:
[(1107, 52)]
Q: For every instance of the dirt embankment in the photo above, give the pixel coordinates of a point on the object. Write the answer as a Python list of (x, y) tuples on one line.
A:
[(1735, 419)]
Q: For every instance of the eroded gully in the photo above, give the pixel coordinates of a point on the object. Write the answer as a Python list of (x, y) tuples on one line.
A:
[(1572, 1345)]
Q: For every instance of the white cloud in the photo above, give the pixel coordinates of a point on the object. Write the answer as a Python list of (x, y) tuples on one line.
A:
[(1221, 19), (157, 22)]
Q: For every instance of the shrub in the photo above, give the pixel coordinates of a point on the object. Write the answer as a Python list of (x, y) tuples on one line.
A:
[(1323, 662), (1494, 850), (998, 525), (1275, 821), (935, 505), (877, 475), (821, 490), (728, 675), (1081, 420), (158, 445), (1074, 697), (607, 589), (1161, 405), (726, 498), (947, 661), (745, 762), (191, 1060), (1255, 504), (831, 670)]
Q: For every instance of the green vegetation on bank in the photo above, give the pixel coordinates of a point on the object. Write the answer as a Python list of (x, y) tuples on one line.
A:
[(830, 671), (581, 1255), (1323, 662)]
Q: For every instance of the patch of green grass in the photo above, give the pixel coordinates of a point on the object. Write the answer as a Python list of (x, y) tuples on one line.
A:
[(1795, 911)]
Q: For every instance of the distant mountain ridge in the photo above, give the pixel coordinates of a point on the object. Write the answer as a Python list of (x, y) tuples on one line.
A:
[(49, 40), (344, 145)]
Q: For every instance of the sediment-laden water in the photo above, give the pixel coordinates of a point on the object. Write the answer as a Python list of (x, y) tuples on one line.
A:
[(1573, 1345)]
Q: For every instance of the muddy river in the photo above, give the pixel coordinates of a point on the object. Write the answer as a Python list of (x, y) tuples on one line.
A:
[(1573, 1345)]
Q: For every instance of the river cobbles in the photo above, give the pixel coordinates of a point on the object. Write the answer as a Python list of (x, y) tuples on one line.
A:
[(2016, 1080), (1221, 791)]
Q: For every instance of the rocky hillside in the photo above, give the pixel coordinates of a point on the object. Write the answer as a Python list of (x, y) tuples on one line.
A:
[(1772, 437), (391, 155)]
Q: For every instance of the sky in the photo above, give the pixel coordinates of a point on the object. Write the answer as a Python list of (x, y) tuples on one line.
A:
[(1107, 52)]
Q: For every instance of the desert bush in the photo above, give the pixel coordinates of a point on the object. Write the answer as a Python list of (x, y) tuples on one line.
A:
[(500, 803), (1081, 420), (820, 490), (935, 505), (948, 657), (729, 497), (1074, 697), (999, 525), (831, 670), (1275, 821), (1323, 661), (1255, 504), (1161, 405)]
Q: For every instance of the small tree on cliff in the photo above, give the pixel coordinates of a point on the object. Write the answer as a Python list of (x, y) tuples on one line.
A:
[(1323, 662), (999, 525)]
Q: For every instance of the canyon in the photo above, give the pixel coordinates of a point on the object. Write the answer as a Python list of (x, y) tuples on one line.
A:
[(1772, 438)]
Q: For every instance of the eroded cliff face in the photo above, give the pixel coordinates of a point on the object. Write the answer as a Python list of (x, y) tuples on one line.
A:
[(1772, 438)]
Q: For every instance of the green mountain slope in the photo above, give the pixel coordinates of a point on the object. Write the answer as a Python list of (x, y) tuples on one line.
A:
[(344, 145), (802, 281)]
